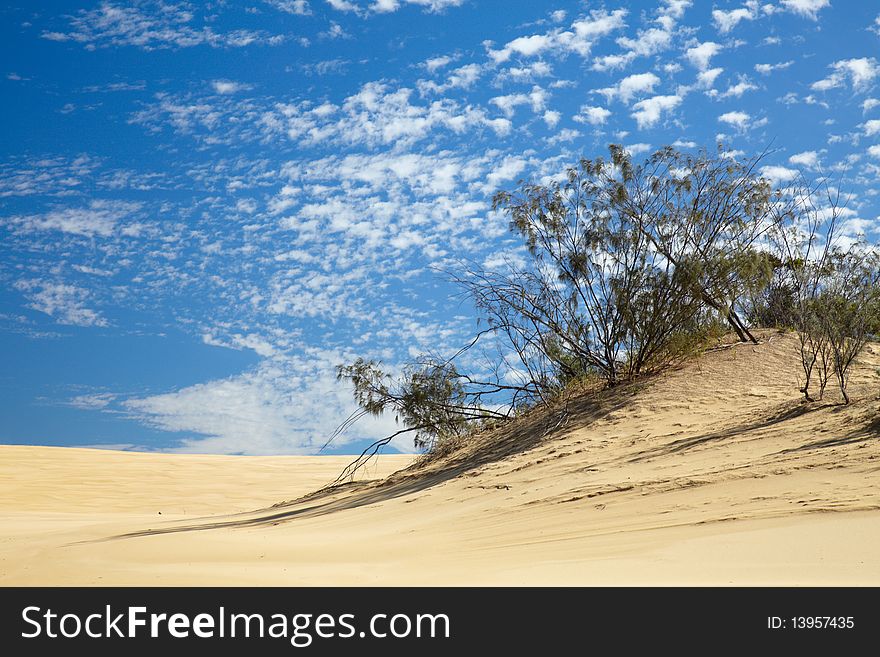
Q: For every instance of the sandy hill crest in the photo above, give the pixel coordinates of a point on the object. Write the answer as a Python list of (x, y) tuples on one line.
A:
[(732, 414)]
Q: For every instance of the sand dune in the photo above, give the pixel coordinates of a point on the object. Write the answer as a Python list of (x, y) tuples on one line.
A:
[(714, 473)]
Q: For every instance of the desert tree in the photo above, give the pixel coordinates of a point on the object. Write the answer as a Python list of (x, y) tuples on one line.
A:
[(830, 281), (846, 311), (430, 399), (629, 264), (704, 213)]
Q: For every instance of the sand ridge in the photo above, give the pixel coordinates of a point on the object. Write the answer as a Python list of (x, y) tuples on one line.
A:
[(714, 473)]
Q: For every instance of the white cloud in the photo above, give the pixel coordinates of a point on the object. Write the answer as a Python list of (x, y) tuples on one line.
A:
[(767, 69), (509, 168), (377, 115), (150, 26), (228, 86), (592, 115), (675, 8), (297, 7), (631, 86), (579, 38), (551, 118), (563, 136), (281, 407), (860, 72), (870, 104), (93, 401), (706, 79), (335, 31), (507, 104), (527, 73), (807, 8), (238, 341), (344, 5), (537, 99), (55, 176), (738, 89), (647, 42), (871, 127), (98, 219), (637, 149), (777, 174), (649, 111), (435, 63), (739, 120), (462, 77), (700, 55), (874, 151), (807, 159), (65, 303), (434, 6), (725, 21)]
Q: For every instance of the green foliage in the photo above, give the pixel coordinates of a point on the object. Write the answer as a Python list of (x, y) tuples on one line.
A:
[(429, 398), (828, 293), (629, 263)]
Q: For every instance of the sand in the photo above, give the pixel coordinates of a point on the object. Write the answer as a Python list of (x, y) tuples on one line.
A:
[(712, 474)]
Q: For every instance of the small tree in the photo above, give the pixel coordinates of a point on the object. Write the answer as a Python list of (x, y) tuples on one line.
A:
[(832, 291), (630, 264), (432, 400), (846, 311)]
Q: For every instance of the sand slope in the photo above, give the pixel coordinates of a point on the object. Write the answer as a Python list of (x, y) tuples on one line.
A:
[(712, 474)]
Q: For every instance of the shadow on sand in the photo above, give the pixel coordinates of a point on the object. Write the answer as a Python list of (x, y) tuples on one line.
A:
[(489, 447)]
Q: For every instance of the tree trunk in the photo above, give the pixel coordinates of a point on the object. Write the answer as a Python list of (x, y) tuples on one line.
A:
[(740, 328), (732, 318)]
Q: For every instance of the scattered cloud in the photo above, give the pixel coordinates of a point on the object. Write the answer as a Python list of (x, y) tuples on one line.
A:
[(364, 9), (737, 119), (767, 69), (433, 64), (630, 87), (578, 39), (700, 55), (648, 112), (281, 407), (706, 79), (778, 174), (807, 159), (860, 73), (150, 25), (592, 115), (647, 42), (228, 86), (725, 21), (738, 89), (376, 115), (463, 77), (807, 8), (63, 302), (50, 176), (99, 218), (871, 127), (93, 401)]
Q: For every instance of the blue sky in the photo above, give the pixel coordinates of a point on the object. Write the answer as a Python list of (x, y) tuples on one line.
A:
[(204, 207)]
